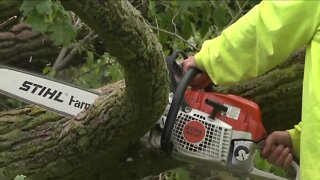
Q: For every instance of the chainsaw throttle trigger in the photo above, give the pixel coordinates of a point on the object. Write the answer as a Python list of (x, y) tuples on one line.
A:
[(216, 108)]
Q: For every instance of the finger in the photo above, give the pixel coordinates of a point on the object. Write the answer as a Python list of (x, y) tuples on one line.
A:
[(272, 158), (268, 144), (201, 79), (280, 161), (188, 63), (269, 152), (288, 162), (185, 66)]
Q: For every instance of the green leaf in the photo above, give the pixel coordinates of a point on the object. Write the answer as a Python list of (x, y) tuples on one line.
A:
[(47, 70), (44, 7), (219, 16), (115, 72), (90, 58), (186, 28), (38, 22), (47, 16), (152, 9), (182, 174), (179, 174), (20, 177), (27, 7), (184, 5), (62, 32), (264, 165)]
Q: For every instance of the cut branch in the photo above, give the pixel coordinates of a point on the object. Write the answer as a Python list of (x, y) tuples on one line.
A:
[(64, 59)]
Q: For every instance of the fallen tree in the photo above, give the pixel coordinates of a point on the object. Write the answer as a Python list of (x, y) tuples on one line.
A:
[(22, 47), (117, 117), (103, 142)]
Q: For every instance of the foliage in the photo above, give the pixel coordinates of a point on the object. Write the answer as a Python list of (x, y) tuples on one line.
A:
[(178, 25), (20, 177), (187, 24), (179, 174), (96, 72), (48, 16), (262, 164)]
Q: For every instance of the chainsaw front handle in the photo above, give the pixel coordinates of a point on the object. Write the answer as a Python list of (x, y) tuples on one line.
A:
[(166, 143), (175, 70)]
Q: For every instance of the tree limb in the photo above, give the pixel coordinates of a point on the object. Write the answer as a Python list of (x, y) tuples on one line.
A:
[(94, 143)]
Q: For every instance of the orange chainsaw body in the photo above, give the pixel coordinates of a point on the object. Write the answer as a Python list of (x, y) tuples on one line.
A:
[(243, 115)]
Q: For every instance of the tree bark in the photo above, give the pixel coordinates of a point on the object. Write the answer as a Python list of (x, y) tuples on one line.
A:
[(21, 47), (9, 9), (24, 48), (42, 145)]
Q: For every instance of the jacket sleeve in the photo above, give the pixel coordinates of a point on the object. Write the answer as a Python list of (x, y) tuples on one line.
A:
[(295, 138), (260, 40)]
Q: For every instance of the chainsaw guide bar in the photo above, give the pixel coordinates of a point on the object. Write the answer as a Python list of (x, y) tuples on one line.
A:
[(50, 94)]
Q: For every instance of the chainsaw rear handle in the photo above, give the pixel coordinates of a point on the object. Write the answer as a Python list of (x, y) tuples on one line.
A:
[(166, 143), (260, 174), (296, 167)]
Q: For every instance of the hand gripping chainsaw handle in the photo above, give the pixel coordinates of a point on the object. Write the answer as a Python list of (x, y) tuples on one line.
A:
[(265, 175), (178, 101)]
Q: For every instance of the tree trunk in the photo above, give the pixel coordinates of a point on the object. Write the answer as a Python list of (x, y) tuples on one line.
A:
[(24, 48), (9, 9), (42, 145), (101, 143), (21, 47), (94, 145)]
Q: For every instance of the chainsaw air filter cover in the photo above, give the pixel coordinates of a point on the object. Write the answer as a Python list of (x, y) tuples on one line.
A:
[(197, 137)]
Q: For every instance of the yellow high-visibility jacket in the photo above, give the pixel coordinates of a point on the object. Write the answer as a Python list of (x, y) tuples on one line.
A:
[(262, 39)]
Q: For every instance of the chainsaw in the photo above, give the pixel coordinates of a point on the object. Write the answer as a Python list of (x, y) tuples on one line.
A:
[(211, 129), (206, 128)]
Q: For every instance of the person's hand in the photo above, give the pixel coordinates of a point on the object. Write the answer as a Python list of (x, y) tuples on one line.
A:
[(278, 149), (202, 80)]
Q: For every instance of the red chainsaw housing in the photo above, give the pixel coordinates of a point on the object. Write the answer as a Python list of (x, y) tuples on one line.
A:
[(249, 119)]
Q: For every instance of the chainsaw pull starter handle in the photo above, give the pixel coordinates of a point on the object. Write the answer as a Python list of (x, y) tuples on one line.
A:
[(216, 108), (178, 96)]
